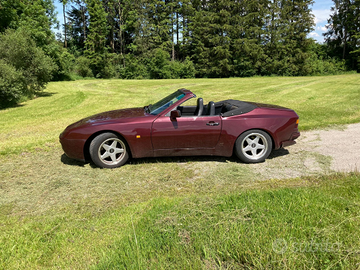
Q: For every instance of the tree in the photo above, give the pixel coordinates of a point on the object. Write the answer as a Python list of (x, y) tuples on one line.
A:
[(36, 17), (295, 23), (249, 36), (96, 40), (209, 37), (64, 2), (356, 51), (220, 38), (78, 26), (9, 17), (343, 31)]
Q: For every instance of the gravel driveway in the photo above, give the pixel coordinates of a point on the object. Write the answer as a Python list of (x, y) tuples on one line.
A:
[(316, 152)]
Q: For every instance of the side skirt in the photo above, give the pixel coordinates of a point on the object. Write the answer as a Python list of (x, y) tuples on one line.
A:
[(189, 152)]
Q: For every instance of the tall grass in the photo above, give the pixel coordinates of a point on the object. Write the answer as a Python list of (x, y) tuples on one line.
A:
[(309, 223), (288, 228)]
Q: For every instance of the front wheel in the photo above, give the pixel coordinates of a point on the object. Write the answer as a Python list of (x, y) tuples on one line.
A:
[(253, 146), (108, 151)]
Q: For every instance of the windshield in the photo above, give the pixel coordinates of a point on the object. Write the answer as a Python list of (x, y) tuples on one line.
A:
[(165, 103)]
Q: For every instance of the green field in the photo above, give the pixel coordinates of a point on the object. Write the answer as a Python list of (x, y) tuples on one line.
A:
[(177, 213)]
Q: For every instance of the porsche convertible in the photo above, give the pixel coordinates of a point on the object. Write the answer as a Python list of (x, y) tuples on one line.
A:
[(171, 128)]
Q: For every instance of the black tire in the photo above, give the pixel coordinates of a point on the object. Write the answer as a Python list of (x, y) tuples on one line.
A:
[(107, 150), (253, 146)]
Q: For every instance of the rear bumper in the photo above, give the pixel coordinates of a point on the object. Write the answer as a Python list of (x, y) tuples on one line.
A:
[(293, 137)]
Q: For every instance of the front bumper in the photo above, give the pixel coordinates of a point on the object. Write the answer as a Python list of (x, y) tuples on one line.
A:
[(73, 148)]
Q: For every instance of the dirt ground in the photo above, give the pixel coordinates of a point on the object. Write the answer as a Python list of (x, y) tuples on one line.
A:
[(316, 152)]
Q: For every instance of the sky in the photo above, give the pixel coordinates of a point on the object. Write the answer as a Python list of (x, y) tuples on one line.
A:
[(321, 10)]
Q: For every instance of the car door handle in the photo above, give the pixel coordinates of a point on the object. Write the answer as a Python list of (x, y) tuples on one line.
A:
[(212, 123)]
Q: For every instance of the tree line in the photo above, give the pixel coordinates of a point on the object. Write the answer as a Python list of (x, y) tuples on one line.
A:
[(159, 39)]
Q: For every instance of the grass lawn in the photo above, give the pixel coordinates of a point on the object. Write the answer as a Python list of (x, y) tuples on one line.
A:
[(172, 212)]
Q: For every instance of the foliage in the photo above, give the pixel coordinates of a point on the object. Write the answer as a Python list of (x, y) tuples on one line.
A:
[(66, 63), (82, 67), (343, 32), (222, 39), (134, 69), (111, 66), (26, 68), (319, 62), (35, 17), (247, 38), (156, 66), (12, 86), (96, 40), (178, 39), (78, 30), (182, 70)]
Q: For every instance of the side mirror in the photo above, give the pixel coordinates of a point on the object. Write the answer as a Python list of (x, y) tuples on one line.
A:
[(174, 114)]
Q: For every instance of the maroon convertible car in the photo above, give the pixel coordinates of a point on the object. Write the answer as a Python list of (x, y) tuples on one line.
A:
[(168, 128)]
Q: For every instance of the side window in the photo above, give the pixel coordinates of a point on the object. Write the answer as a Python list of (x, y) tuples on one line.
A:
[(187, 108), (190, 102)]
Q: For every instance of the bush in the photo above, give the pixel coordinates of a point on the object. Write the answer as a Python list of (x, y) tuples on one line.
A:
[(82, 67), (325, 66), (12, 85), (111, 66), (157, 66), (160, 67), (134, 68), (66, 65), (181, 70), (25, 68), (65, 62), (320, 62)]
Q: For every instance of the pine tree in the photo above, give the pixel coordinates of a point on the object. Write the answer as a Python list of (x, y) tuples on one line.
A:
[(78, 22), (154, 26), (96, 48), (209, 37), (247, 35), (286, 44)]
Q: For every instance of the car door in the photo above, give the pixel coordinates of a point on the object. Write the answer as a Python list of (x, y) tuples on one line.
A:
[(186, 132)]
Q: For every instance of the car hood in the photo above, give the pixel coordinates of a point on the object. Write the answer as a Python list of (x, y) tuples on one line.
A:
[(109, 116)]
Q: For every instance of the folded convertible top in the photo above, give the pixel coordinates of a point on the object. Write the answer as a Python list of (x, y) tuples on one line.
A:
[(234, 107)]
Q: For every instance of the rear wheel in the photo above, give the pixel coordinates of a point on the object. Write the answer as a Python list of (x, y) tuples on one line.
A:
[(253, 146), (107, 150)]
